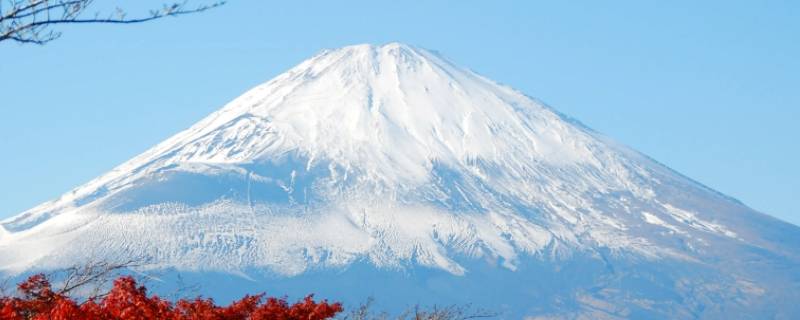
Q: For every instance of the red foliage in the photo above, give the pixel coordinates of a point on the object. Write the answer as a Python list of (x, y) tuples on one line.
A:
[(129, 301)]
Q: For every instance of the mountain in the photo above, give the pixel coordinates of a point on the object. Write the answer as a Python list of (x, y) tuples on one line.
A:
[(389, 171)]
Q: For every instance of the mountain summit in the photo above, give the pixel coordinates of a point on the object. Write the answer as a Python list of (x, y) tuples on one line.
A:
[(389, 162)]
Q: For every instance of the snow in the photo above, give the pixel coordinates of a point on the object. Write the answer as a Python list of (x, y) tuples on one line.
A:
[(372, 108), (691, 219), (654, 220), (392, 125), (389, 155)]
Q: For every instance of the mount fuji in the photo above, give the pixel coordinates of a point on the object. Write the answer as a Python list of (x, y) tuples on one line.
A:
[(388, 171)]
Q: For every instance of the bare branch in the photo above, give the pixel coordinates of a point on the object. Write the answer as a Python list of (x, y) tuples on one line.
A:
[(453, 312), (4, 287), (31, 21)]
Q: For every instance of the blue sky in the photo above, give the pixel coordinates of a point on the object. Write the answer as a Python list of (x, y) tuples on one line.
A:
[(711, 89)]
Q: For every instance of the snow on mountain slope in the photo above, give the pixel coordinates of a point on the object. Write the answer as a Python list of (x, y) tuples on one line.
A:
[(394, 157)]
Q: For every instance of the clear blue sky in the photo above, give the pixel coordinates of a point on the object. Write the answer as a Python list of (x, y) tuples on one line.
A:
[(710, 88)]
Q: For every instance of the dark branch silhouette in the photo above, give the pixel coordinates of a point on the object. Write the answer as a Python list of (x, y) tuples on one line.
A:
[(32, 21), (453, 312)]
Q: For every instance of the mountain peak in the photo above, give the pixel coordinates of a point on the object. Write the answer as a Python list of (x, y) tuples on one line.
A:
[(372, 58), (367, 49), (389, 119), (393, 107)]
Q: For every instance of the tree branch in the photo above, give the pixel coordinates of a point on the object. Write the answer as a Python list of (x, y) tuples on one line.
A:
[(31, 21)]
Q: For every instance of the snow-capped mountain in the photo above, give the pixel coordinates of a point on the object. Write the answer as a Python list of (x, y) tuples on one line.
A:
[(391, 163)]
